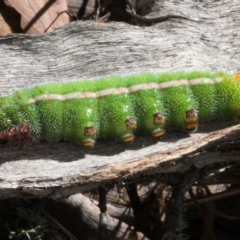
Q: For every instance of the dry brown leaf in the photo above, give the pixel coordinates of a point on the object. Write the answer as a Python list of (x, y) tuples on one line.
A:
[(4, 27), (38, 15), (9, 20)]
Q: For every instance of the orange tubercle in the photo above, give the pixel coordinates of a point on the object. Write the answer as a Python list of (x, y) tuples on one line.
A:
[(191, 125), (191, 120), (158, 119), (130, 124), (89, 131), (237, 76)]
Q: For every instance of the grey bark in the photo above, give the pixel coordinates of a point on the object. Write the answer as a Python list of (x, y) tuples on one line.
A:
[(83, 50)]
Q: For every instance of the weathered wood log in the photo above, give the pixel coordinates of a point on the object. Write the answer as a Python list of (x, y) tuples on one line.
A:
[(90, 215), (83, 50)]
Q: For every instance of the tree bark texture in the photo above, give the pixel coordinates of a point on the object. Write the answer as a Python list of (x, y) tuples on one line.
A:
[(208, 40)]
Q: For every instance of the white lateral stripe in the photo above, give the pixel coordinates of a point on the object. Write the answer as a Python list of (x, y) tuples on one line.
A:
[(165, 85), (204, 81), (79, 95), (137, 87), (143, 86), (120, 90), (181, 82), (105, 92)]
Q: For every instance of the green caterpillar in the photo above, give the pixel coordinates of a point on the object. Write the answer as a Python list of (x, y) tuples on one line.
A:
[(116, 107)]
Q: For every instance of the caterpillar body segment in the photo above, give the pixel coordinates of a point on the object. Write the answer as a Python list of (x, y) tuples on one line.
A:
[(117, 107)]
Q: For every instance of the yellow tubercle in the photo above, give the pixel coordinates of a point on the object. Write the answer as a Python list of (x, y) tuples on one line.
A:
[(89, 142), (128, 138), (158, 133), (191, 124)]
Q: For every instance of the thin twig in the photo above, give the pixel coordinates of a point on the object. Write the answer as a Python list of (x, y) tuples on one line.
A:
[(206, 218), (71, 17), (66, 232), (215, 197)]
